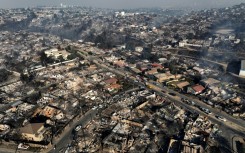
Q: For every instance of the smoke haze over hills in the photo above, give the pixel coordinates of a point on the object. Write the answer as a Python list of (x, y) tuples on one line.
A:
[(122, 4)]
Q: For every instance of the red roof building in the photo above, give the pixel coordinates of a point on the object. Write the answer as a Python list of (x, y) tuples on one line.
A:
[(156, 65), (111, 81), (196, 89), (112, 87)]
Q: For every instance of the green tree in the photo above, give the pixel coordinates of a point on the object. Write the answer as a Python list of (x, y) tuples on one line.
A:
[(172, 68), (169, 56), (50, 59), (68, 48), (61, 58), (4, 74), (43, 58), (161, 71), (24, 77), (71, 56)]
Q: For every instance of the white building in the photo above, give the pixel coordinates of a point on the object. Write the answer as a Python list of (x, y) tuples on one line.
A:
[(139, 49), (56, 53), (122, 13), (242, 71)]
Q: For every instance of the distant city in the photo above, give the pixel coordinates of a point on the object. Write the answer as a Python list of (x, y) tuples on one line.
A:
[(92, 80)]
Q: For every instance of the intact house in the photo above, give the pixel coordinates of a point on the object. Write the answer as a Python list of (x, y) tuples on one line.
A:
[(183, 85), (57, 53), (33, 132), (196, 89)]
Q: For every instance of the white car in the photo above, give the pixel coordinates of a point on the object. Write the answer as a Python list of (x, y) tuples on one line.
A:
[(23, 146), (78, 127), (221, 118), (94, 108)]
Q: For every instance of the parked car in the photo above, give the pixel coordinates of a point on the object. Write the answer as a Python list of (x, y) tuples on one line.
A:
[(207, 111), (94, 108), (184, 100), (221, 118), (172, 94), (228, 111), (210, 103), (78, 127), (218, 106), (199, 107), (187, 101), (193, 103), (163, 91), (23, 146)]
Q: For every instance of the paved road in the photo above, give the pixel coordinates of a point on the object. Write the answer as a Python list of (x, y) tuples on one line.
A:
[(229, 124), (66, 137), (13, 149), (233, 125), (237, 125), (215, 111)]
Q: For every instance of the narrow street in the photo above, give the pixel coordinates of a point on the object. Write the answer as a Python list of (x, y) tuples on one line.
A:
[(65, 138)]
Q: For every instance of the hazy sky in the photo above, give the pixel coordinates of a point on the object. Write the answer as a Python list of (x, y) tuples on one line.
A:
[(122, 3)]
